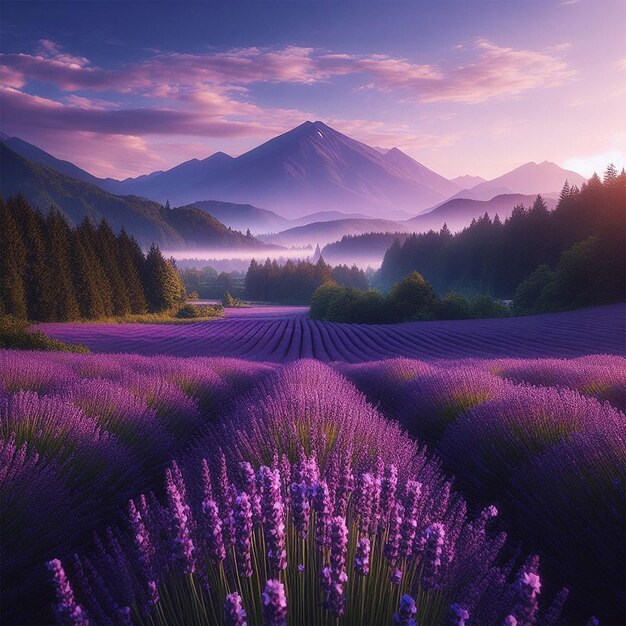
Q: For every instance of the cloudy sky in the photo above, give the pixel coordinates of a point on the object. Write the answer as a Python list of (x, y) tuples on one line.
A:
[(124, 88)]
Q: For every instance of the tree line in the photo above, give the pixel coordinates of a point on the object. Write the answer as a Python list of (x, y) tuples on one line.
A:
[(494, 257), (50, 271), (410, 299), (294, 282)]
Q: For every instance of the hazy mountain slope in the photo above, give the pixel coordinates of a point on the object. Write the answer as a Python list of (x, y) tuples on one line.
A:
[(467, 182), (530, 178), (419, 173), (459, 212), (243, 216), (326, 232), (44, 187)]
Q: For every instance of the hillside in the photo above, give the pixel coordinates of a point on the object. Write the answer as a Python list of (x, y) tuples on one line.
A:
[(148, 221)]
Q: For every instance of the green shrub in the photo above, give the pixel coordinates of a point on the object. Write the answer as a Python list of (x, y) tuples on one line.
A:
[(15, 334)]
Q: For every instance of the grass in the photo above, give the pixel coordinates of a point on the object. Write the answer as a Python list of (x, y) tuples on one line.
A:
[(15, 334)]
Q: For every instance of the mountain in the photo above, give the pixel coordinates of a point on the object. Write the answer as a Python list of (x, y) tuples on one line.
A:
[(325, 216), (148, 221), (467, 182), (417, 172), (530, 178), (243, 216), (307, 169), (459, 212), (325, 232)]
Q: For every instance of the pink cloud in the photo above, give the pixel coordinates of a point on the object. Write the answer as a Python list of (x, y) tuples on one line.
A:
[(493, 71)]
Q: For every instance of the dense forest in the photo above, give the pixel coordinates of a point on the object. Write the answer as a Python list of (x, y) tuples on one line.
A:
[(50, 271), (295, 282), (494, 257)]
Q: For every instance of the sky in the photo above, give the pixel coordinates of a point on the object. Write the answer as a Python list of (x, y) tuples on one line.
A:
[(124, 88)]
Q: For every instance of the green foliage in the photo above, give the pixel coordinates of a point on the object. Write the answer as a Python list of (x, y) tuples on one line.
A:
[(413, 298), (454, 306), (591, 272), (194, 311), (164, 286), (228, 302), (295, 282), (13, 263), (491, 256), (409, 300), (528, 292), (14, 334)]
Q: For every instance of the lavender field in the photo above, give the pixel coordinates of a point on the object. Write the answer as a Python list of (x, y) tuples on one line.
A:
[(281, 334), (216, 490)]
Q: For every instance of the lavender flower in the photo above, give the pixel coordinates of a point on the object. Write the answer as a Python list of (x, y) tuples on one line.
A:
[(234, 613), (249, 485), (409, 523), (274, 518), (212, 525), (363, 497), (69, 612), (395, 576), (458, 615), (392, 546), (180, 515), (362, 556), (274, 604), (336, 599), (225, 500), (243, 534), (322, 506), (300, 508), (432, 556), (527, 588), (406, 611)]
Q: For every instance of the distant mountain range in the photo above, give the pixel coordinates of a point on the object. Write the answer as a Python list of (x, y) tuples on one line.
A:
[(314, 183), (530, 178), (148, 221), (456, 213)]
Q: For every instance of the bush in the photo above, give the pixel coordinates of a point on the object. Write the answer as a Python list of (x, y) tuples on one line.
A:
[(454, 306), (192, 311), (413, 299), (485, 306), (15, 333)]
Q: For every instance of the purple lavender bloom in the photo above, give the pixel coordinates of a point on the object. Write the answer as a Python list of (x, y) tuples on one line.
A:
[(249, 485), (435, 535), (274, 518), (322, 506), (527, 588), (392, 546), (395, 576), (180, 515), (363, 501), (458, 615), (362, 556), (212, 526), (406, 611), (509, 620), (225, 500), (274, 604), (69, 612), (593, 621), (234, 613), (336, 599), (146, 550), (300, 508), (243, 534), (409, 523), (345, 487), (389, 485)]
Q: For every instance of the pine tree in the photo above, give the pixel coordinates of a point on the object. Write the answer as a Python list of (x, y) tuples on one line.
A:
[(13, 264), (106, 247), (66, 306), (38, 277), (131, 265), (88, 292), (164, 286), (88, 237)]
